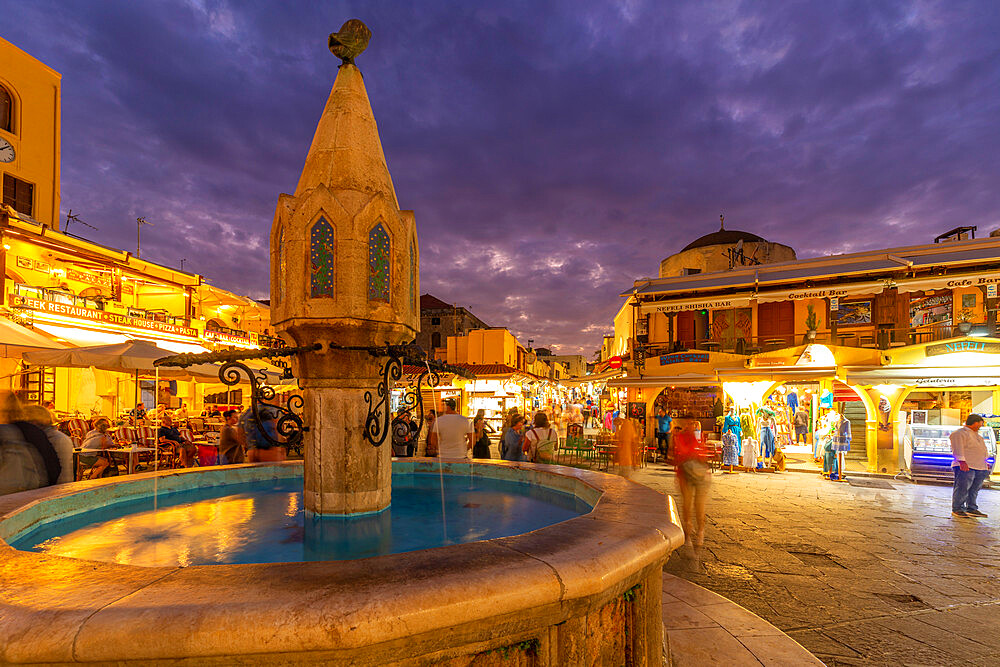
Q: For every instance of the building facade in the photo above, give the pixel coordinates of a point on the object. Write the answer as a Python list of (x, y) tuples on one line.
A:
[(30, 99), (440, 320), (879, 338)]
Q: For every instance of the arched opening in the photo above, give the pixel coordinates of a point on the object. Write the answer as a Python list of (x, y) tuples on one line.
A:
[(6, 110), (436, 340)]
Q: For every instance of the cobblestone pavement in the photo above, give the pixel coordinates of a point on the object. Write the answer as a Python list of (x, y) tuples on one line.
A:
[(857, 575)]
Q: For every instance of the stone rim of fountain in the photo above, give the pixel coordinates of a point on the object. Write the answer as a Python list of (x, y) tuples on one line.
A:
[(61, 609)]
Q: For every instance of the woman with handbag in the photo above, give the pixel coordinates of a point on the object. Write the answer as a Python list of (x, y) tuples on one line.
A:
[(691, 459)]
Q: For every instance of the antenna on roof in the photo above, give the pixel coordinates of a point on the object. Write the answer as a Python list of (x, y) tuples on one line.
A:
[(722, 223), (75, 218)]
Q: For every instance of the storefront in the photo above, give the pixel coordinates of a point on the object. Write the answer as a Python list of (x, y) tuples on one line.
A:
[(924, 392)]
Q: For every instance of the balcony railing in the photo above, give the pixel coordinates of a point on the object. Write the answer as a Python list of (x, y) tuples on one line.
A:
[(876, 338)]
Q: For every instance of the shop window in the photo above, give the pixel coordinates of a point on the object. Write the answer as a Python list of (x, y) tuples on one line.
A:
[(6, 110), (321, 260), (18, 194), (379, 252)]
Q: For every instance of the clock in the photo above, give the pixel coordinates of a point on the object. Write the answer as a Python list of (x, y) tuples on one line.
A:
[(6, 151)]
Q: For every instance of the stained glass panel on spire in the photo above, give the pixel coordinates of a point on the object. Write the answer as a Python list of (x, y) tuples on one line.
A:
[(321, 260), (379, 252)]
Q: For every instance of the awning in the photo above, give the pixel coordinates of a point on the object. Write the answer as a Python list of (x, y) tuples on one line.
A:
[(838, 291), (15, 340), (947, 282), (595, 377), (668, 381), (926, 376), (778, 373), (679, 305)]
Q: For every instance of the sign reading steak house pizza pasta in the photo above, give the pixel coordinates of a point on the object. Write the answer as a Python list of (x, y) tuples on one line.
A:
[(93, 315)]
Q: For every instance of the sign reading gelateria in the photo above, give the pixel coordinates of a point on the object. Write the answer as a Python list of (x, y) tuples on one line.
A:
[(93, 315), (962, 346)]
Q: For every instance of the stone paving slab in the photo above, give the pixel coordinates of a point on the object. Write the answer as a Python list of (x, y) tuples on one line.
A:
[(703, 628), (858, 576)]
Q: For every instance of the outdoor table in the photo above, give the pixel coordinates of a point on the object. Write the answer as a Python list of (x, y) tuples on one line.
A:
[(130, 452)]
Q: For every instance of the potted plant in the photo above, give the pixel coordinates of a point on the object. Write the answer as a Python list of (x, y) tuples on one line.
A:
[(965, 320), (812, 322)]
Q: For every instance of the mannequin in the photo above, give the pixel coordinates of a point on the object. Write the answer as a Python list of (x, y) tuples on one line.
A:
[(731, 424)]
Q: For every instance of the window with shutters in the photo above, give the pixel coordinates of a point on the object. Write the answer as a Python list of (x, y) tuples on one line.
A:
[(6, 110), (18, 194)]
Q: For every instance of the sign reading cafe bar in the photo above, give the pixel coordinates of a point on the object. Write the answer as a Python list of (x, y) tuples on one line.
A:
[(51, 308)]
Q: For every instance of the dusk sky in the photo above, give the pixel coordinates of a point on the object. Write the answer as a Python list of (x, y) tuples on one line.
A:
[(553, 152)]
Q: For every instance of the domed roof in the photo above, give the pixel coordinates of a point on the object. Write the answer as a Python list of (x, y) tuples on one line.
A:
[(722, 237)]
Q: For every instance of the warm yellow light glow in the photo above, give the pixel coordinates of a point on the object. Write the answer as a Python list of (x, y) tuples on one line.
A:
[(816, 355), (960, 360), (887, 390), (82, 336), (746, 393)]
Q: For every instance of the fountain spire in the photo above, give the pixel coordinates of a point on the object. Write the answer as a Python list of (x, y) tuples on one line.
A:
[(345, 273)]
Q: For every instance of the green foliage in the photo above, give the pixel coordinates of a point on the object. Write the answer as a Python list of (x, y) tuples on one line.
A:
[(629, 595)]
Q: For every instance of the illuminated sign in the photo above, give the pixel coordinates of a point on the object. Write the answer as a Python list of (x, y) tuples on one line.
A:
[(92, 315), (89, 278), (962, 346), (684, 358), (227, 338)]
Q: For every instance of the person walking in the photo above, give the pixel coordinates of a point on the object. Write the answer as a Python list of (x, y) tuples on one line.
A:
[(481, 448), (512, 445), (232, 449), (663, 421), (452, 434), (542, 440), (691, 460), (969, 466)]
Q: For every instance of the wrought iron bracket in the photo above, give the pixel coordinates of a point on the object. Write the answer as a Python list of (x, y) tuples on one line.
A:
[(289, 424)]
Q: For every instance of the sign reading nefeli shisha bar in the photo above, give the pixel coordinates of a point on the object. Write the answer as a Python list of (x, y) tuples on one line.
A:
[(962, 346)]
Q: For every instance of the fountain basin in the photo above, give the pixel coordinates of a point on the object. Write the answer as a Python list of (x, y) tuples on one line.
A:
[(583, 590)]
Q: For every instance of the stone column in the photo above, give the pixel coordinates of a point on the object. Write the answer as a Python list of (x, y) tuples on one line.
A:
[(344, 473)]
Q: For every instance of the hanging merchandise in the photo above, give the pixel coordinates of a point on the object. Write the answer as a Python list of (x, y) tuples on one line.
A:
[(793, 401), (731, 424), (826, 399), (842, 435), (730, 454)]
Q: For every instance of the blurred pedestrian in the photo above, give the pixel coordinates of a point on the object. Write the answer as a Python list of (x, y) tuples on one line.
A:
[(261, 432), (627, 446), (62, 443), (693, 478), (232, 447), (429, 449), (404, 434), (27, 459)]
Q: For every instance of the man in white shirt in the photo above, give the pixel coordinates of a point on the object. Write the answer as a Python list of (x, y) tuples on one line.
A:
[(970, 467), (452, 433)]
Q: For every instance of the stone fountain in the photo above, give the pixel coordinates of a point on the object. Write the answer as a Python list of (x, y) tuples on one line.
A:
[(345, 276), (344, 288)]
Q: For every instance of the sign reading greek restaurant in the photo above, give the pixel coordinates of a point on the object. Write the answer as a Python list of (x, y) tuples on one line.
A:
[(93, 315), (684, 358), (962, 346)]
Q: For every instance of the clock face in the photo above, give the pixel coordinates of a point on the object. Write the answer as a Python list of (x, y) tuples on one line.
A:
[(6, 151)]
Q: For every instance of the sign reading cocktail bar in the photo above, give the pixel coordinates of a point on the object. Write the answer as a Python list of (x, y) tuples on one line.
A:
[(962, 346), (18, 301)]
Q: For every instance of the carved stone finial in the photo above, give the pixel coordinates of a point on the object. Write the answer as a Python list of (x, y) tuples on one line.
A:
[(350, 41)]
